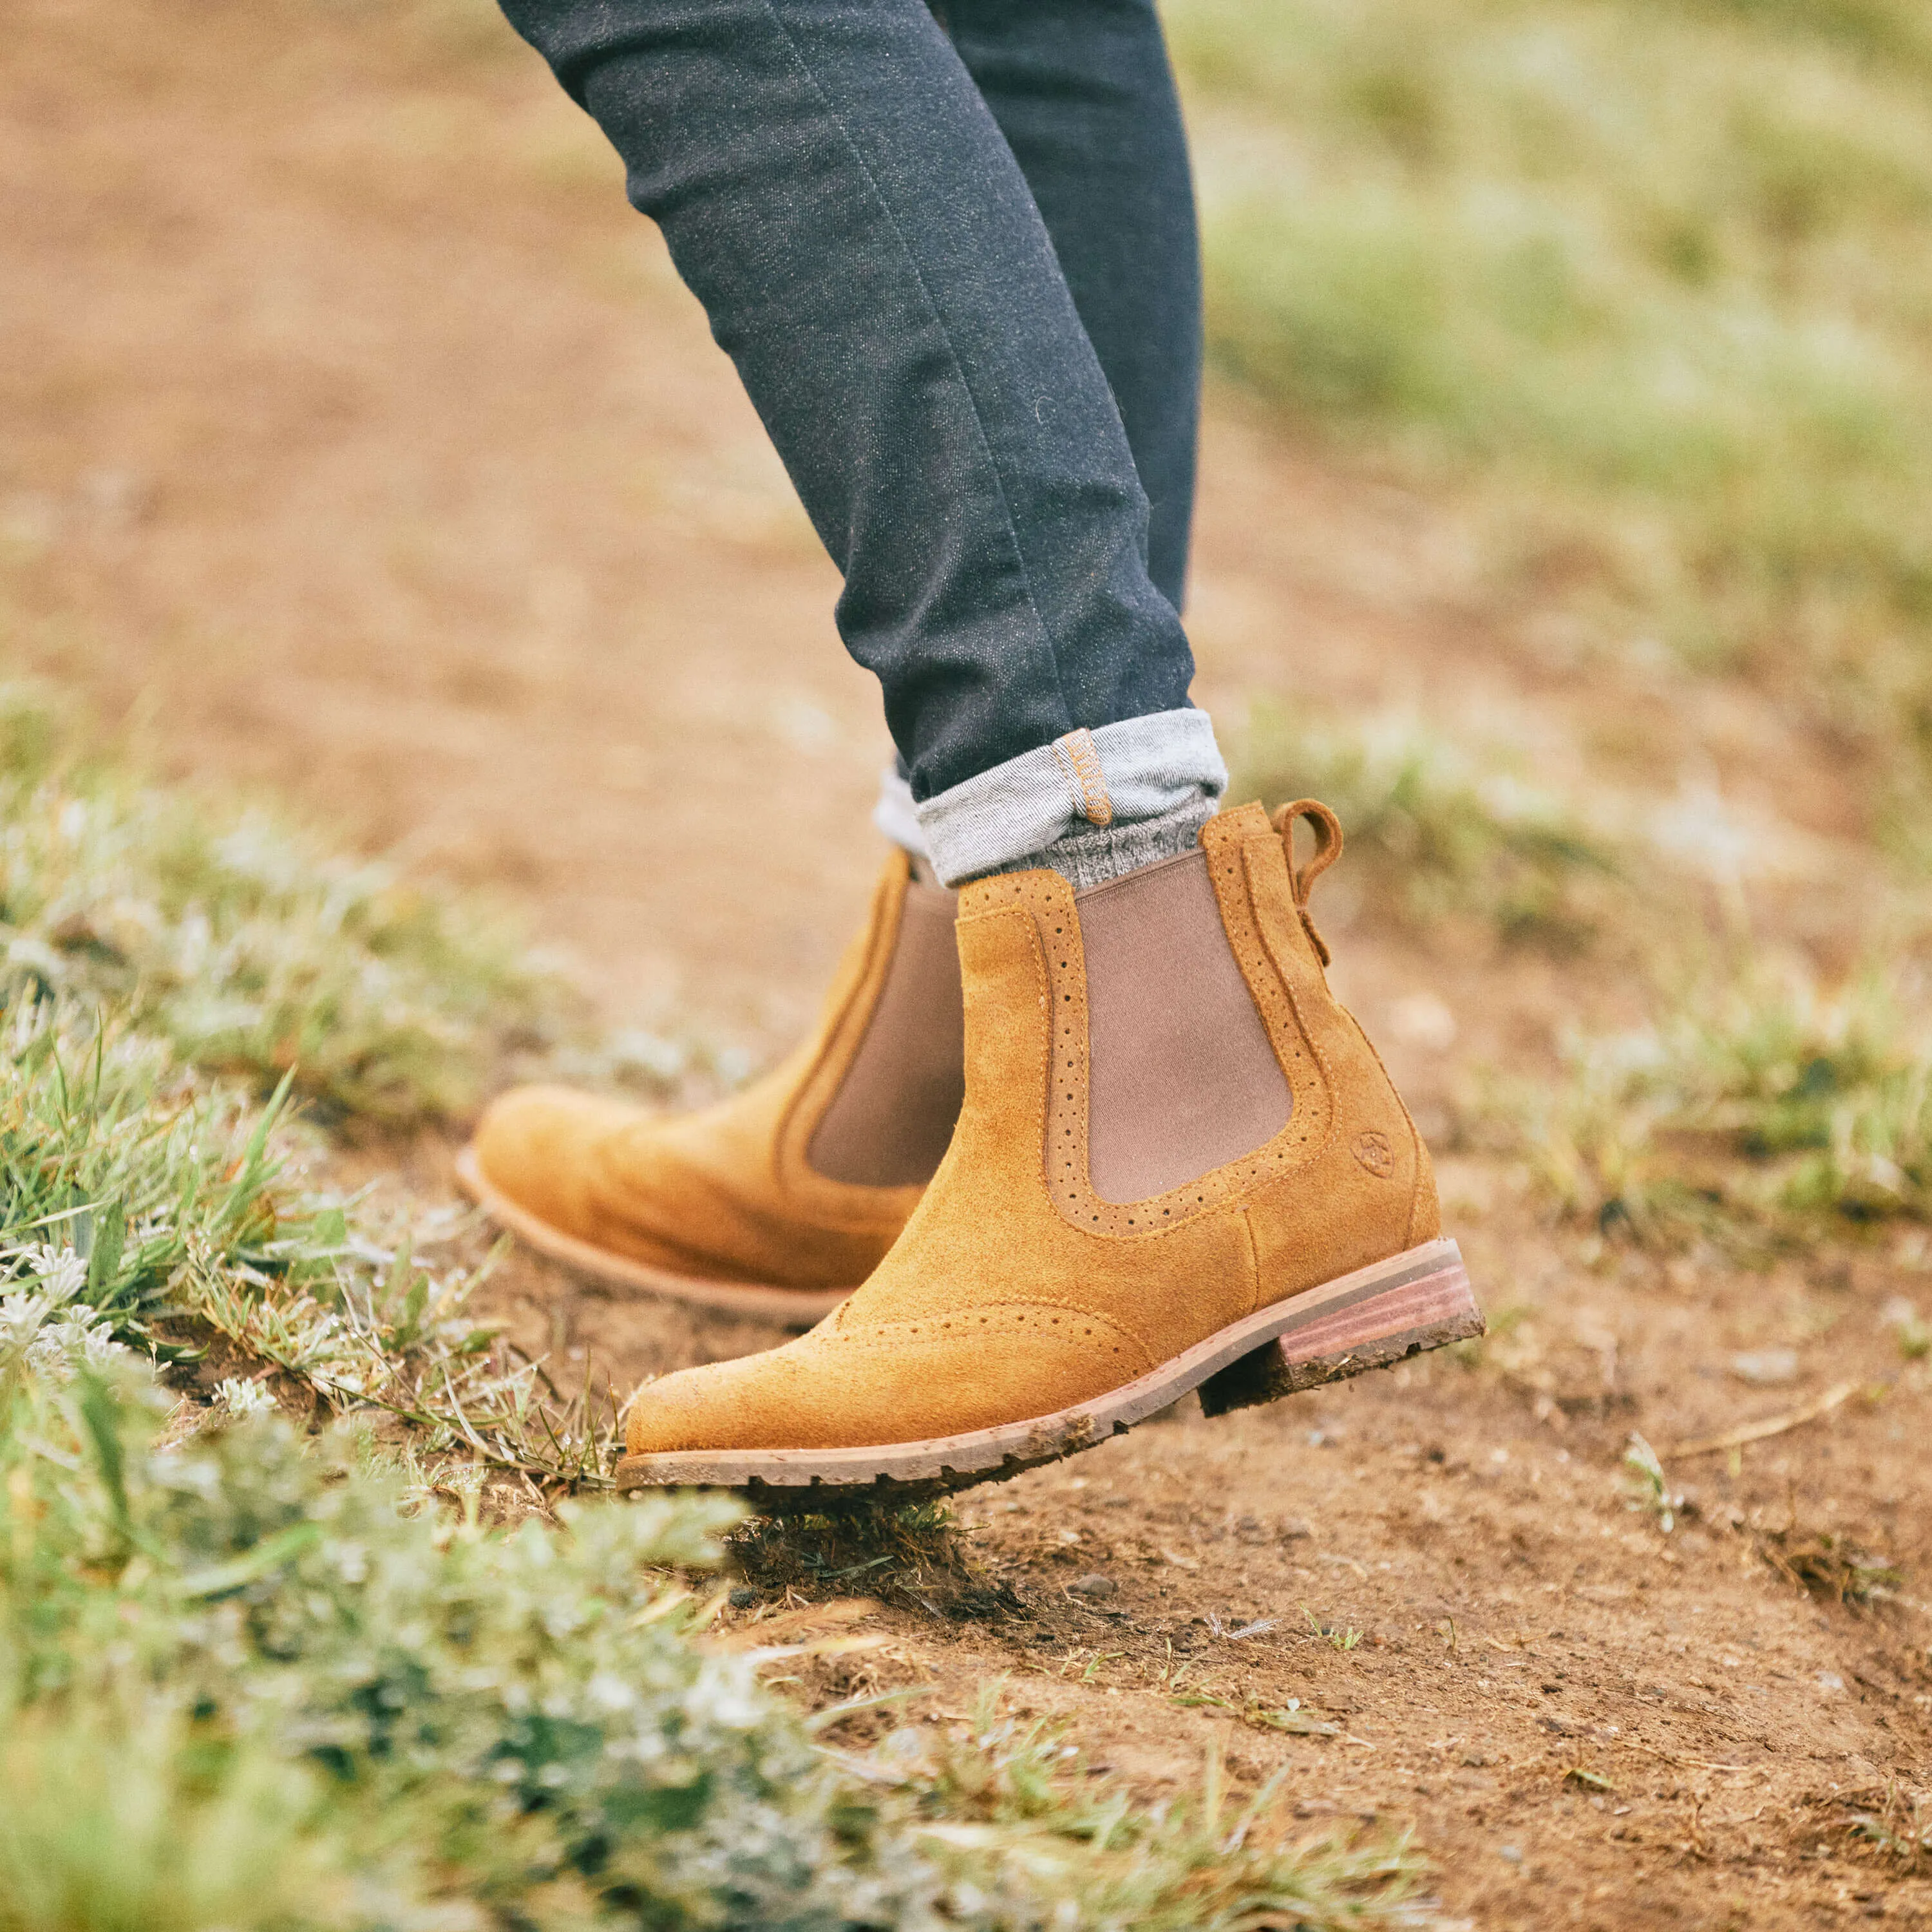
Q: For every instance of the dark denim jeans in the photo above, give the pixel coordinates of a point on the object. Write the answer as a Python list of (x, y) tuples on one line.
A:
[(954, 261)]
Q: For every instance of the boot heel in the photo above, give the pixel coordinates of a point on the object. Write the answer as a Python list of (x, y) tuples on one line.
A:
[(1425, 1303)]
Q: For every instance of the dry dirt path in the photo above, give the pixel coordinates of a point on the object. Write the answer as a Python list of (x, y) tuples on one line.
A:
[(355, 435)]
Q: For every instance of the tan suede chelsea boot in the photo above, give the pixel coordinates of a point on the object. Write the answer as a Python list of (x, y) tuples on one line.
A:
[(780, 1201), (1179, 1165)]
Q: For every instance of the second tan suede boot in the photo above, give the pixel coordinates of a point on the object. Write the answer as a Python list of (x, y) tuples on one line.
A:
[(1180, 1165), (778, 1202)]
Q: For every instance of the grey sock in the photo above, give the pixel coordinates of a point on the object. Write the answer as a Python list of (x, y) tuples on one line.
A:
[(1092, 858)]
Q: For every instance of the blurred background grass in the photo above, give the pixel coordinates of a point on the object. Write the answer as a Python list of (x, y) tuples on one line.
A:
[(1645, 288)]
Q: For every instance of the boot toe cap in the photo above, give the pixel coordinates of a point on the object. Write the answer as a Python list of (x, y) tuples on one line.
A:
[(690, 1196), (722, 1405), (847, 1386), (536, 1145)]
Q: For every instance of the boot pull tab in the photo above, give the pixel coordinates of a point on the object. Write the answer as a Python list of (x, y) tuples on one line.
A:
[(1328, 850)]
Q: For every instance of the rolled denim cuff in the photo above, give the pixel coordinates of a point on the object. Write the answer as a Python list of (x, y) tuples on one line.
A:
[(897, 816), (1119, 775)]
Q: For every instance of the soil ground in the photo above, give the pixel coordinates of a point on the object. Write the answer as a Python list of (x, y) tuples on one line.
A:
[(358, 441)]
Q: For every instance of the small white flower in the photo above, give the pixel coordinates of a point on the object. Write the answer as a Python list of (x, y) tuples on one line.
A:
[(39, 1322), (243, 1398)]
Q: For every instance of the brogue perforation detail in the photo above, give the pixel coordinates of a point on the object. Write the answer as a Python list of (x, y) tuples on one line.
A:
[(1275, 960), (1075, 1322)]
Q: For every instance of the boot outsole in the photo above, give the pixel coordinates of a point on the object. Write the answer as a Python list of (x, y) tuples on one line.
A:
[(1372, 1318), (789, 1307)]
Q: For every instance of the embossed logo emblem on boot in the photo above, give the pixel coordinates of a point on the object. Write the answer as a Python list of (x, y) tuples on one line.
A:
[(1374, 1152)]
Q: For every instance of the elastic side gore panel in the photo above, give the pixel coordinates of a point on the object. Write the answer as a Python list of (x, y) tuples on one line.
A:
[(1182, 1077), (894, 1112)]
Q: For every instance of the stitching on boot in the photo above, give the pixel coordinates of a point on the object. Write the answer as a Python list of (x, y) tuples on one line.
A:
[(1308, 1076), (1418, 1160), (1049, 1315), (1042, 986), (1247, 1214), (1253, 853)]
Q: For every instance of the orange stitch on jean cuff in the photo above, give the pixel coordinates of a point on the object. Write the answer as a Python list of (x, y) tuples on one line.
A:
[(1081, 758)]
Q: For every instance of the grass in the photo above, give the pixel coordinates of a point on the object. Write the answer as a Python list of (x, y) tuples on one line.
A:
[(375, 1712), (243, 1682), (1765, 1108), (1897, 1824), (1825, 1565), (1446, 829), (1642, 288), (1214, 1862), (243, 945), (911, 1553), (176, 976), (134, 1192), (1646, 1488), (181, 979)]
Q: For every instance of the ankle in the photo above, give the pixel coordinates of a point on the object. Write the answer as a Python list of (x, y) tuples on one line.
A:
[(1097, 857), (1091, 805)]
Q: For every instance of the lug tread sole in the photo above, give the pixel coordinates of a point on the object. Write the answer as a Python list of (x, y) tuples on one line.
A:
[(1371, 1318)]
